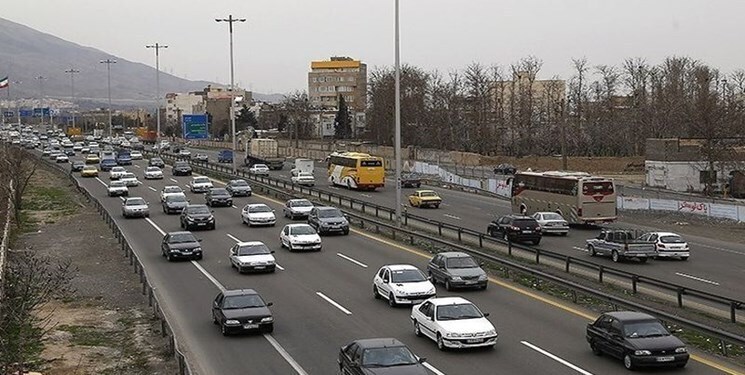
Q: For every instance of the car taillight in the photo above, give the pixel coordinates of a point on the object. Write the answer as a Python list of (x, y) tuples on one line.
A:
[(579, 212), (661, 246)]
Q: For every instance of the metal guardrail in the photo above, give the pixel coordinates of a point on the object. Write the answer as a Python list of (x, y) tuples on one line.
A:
[(402, 233), (138, 268), (678, 292)]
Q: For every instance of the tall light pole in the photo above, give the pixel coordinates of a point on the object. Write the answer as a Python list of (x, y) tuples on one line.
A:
[(230, 20), (398, 122), (108, 63), (41, 80), (72, 72), (17, 102), (157, 48)]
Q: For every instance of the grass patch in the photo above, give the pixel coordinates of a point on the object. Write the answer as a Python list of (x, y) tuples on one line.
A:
[(48, 198), (90, 336)]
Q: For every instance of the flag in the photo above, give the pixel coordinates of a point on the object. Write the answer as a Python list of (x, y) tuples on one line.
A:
[(4, 83)]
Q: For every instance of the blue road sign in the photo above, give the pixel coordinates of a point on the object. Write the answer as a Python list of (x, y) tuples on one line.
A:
[(26, 113), (8, 114), (195, 127)]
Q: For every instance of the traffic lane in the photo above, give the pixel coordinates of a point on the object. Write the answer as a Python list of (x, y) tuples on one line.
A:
[(178, 286)]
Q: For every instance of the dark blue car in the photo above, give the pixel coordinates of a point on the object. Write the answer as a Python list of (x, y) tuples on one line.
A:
[(107, 164)]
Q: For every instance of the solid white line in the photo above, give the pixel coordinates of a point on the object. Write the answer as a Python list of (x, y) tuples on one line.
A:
[(366, 195), (232, 237), (718, 248), (102, 183), (697, 278), (284, 354), (432, 368), (151, 188), (363, 265), (579, 248), (174, 180), (555, 358), (451, 216), (122, 198), (338, 306), (278, 266), (208, 275), (162, 233), (137, 166), (234, 206)]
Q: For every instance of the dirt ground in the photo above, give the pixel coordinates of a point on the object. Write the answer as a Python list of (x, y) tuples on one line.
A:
[(614, 165), (702, 226), (107, 326)]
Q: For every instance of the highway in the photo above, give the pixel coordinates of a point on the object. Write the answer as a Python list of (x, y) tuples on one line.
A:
[(715, 266), (537, 334)]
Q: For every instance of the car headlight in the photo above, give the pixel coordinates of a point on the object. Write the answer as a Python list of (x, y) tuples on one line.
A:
[(189, 218), (232, 322), (270, 261), (492, 332), (197, 249), (456, 278), (432, 291), (212, 219), (267, 319), (642, 352), (401, 292), (453, 334), (681, 350), (482, 277)]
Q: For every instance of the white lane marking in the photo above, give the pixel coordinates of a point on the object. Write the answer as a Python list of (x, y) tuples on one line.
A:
[(282, 175), (236, 239), (278, 266), (338, 306), (363, 265), (122, 198), (102, 183), (234, 206), (582, 249), (162, 233), (151, 188), (209, 276), (718, 248), (432, 368), (555, 358), (174, 180), (366, 195), (697, 279), (284, 354), (137, 166), (451, 216)]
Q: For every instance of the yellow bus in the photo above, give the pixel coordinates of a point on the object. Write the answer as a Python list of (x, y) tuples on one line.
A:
[(356, 170), (577, 196)]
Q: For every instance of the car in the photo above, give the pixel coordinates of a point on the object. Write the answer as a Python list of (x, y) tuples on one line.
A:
[(117, 172), (379, 356), (77, 147), (453, 322), (200, 184), (201, 158), (174, 203), (77, 166), (218, 197), (516, 228), (46, 152), (551, 223), (620, 245), (67, 152), (327, 219), (197, 216), (304, 178), (107, 164), (299, 237), (505, 169), (135, 155), (130, 179), (297, 208), (181, 168), (258, 214), (89, 171), (402, 284), (171, 190), (425, 198), (62, 159), (456, 270), (153, 173), (117, 189), (85, 150), (411, 180), (252, 256), (259, 170), (669, 245), (225, 156), (156, 162), (184, 154), (242, 310), (181, 245), (135, 206), (638, 339), (239, 188)]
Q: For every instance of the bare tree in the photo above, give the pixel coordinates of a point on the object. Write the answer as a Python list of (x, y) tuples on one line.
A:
[(18, 166)]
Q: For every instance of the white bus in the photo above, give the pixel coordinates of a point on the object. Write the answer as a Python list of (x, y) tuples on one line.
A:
[(577, 196)]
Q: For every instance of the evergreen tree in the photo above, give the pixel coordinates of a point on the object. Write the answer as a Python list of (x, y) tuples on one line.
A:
[(342, 122)]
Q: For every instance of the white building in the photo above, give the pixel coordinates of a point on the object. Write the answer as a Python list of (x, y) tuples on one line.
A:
[(183, 104)]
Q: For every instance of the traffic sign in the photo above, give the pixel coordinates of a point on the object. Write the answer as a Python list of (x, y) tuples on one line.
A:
[(195, 127)]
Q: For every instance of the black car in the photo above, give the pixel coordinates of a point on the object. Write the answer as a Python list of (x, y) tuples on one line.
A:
[(218, 197), (197, 216), (156, 162), (77, 166), (456, 270), (181, 168), (69, 152), (238, 188), (180, 245), (242, 310), (411, 180), (379, 356), (518, 228), (328, 219), (174, 204), (639, 339), (505, 169)]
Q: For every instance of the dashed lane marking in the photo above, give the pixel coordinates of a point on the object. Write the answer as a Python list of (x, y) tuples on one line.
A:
[(363, 265), (334, 303), (556, 358), (697, 278)]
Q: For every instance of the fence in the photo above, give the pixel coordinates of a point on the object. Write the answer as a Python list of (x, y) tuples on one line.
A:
[(6, 235)]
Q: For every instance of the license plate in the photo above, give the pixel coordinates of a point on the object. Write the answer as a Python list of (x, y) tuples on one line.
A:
[(470, 282), (473, 341), (201, 224), (250, 326), (665, 359), (527, 231), (260, 267)]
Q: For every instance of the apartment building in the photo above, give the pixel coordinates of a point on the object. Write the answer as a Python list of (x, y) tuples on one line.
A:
[(328, 79)]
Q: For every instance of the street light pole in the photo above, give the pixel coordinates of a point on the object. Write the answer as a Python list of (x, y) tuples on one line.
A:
[(41, 80), (108, 63), (17, 102), (398, 120), (72, 72), (157, 48), (230, 20)]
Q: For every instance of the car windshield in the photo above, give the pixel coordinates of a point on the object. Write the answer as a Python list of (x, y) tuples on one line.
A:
[(644, 329), (172, 189), (135, 202), (407, 276), (181, 165), (552, 216), (129, 175), (461, 262), (388, 357), (238, 183), (254, 249), (219, 192), (671, 239), (304, 174), (117, 184), (176, 198), (302, 229), (156, 160), (201, 180), (261, 208), (182, 238), (118, 169), (459, 311), (242, 302), (261, 166), (199, 210), (301, 203), (329, 213), (428, 194), (153, 169)]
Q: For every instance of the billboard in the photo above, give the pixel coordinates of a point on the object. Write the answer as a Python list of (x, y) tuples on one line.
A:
[(39, 112), (195, 127), (8, 114), (26, 112)]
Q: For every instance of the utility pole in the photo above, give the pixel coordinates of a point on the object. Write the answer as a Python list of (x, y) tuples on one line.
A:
[(41, 80), (563, 137), (18, 106), (398, 119), (157, 48), (108, 63), (230, 20), (72, 72)]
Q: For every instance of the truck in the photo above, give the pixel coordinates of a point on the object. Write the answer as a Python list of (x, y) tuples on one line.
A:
[(146, 136), (263, 151), (620, 245), (302, 165)]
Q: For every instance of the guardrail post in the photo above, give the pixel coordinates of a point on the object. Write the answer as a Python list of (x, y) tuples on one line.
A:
[(411, 240), (537, 256), (566, 264), (509, 247), (460, 231), (376, 212), (439, 228), (680, 292), (600, 274), (363, 207), (574, 296), (634, 281), (481, 240), (406, 218), (732, 313), (723, 344)]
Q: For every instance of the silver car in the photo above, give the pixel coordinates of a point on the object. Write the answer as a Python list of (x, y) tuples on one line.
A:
[(135, 207), (551, 222)]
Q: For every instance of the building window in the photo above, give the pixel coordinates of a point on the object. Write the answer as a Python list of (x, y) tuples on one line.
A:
[(315, 79)]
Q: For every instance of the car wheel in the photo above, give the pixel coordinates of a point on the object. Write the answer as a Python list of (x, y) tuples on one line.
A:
[(595, 349), (418, 185), (214, 320), (440, 342), (591, 250), (448, 287), (182, 224), (506, 237), (417, 331), (376, 295), (212, 227), (269, 328), (346, 232), (616, 258), (289, 247), (391, 300), (683, 258), (536, 242), (643, 260), (627, 362), (223, 330), (169, 257), (564, 234), (485, 286)]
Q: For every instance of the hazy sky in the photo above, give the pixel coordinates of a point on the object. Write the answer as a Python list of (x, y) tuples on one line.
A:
[(274, 48)]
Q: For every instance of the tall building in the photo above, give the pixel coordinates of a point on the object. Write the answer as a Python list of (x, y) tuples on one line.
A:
[(547, 90), (345, 76)]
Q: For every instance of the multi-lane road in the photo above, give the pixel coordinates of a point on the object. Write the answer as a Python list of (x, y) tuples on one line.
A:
[(323, 300)]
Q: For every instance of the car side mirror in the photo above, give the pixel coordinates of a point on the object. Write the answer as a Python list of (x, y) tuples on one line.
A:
[(215, 304), (212, 211), (481, 264), (429, 278), (270, 304), (422, 360), (346, 216), (199, 240), (272, 252), (486, 315)]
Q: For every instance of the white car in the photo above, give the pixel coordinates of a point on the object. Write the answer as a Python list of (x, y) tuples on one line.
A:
[(258, 214), (184, 153), (551, 222), (153, 173), (118, 188), (200, 184), (402, 284), (171, 190), (62, 158), (116, 173), (668, 244), (259, 169), (125, 143), (299, 237), (252, 256), (135, 155), (304, 178), (453, 322), (295, 208), (77, 147), (85, 150), (130, 179)]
